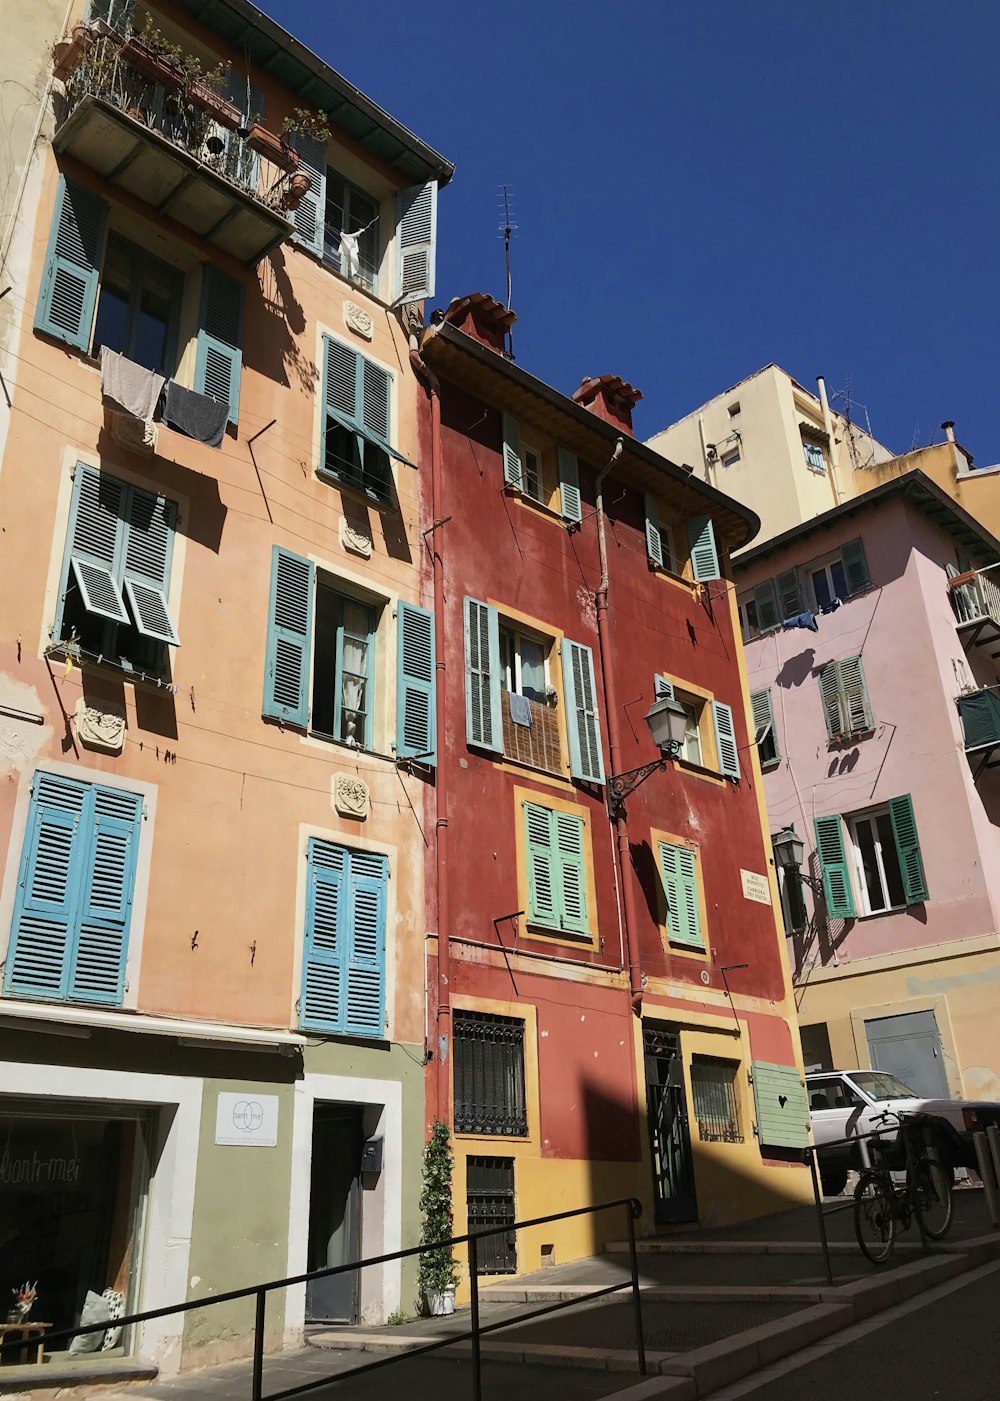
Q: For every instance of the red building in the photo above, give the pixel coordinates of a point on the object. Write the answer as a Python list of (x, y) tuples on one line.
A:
[(584, 1043)]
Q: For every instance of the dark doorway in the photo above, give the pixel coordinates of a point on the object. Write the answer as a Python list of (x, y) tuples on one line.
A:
[(335, 1212), (667, 1117)]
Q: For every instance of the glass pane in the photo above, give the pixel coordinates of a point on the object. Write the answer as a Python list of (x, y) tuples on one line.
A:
[(334, 221), (152, 324), (750, 612), (890, 860), (343, 452), (869, 864), (362, 213), (821, 588), (532, 475), (324, 660), (692, 736), (113, 303), (506, 654), (356, 622), (839, 579), (532, 670), (375, 474)]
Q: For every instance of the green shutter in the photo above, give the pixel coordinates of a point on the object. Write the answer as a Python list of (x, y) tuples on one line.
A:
[(980, 713), (513, 472), (571, 885), (539, 846), (309, 217), (415, 700), (854, 695), (768, 615), (569, 485), (70, 281), (289, 638), (789, 594), (829, 690), (726, 751), (780, 1101), (911, 863), (654, 540), (837, 890), (219, 358), (483, 718), (765, 736), (679, 875), (416, 234), (582, 721), (704, 555), (855, 564)]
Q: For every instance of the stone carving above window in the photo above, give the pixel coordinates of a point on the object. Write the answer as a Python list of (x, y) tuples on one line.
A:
[(356, 536), (100, 727), (350, 796), (359, 320)]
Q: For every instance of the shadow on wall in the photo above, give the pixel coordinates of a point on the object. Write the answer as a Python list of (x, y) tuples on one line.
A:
[(797, 669), (278, 354), (844, 763), (204, 520), (644, 865)]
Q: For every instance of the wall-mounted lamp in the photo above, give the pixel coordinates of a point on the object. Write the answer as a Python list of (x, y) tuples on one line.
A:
[(667, 721), (789, 851)]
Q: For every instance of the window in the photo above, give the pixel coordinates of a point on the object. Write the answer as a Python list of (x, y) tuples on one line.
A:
[(716, 1102), (730, 459), (749, 622), (523, 661), (524, 471), (691, 749), (829, 581), (661, 540), (489, 1187), (734, 409), (840, 577), (678, 867), (343, 965), (137, 307), (350, 211), (534, 479), (814, 456), (116, 572), (832, 1094), (556, 869), (880, 878), (698, 709), (489, 1074), (72, 914), (765, 737), (888, 863), (320, 661), (844, 695), (357, 430)]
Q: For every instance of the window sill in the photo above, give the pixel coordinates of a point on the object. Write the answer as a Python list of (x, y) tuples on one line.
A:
[(675, 947), (890, 910), (357, 493), (669, 577), (847, 740), (539, 508), (105, 666), (570, 938), (700, 771), (561, 775), (770, 764), (469, 1135)]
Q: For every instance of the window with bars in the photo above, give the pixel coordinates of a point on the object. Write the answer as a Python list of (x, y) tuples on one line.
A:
[(489, 1189), (716, 1101), (489, 1074)]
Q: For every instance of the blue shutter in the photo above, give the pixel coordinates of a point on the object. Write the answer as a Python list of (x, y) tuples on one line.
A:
[(108, 886), (70, 281), (725, 740), (582, 721), (151, 522), (416, 234), (96, 543), (837, 890), (289, 638), (483, 718), (219, 359), (310, 216), (365, 1000), (324, 956), (569, 485), (513, 471), (679, 875), (911, 863), (704, 555), (654, 540), (415, 706)]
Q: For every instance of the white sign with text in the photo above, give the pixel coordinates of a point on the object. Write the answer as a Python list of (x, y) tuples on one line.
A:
[(756, 887), (246, 1120)]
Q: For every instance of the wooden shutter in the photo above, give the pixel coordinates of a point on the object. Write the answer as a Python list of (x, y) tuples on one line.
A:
[(572, 874), (310, 216), (837, 890), (763, 724), (107, 891), (654, 541), (704, 555), (415, 660), (416, 232), (219, 358), (96, 540), (483, 718), (725, 740), (662, 688), (289, 638), (855, 707), (341, 372), (829, 690), (911, 862), (149, 542), (539, 844), (780, 1101), (375, 392), (324, 954), (68, 294), (768, 617), (582, 721), (513, 472), (679, 874), (569, 485), (365, 1000), (855, 564), (789, 594)]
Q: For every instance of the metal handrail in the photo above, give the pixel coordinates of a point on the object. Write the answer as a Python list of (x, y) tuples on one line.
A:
[(633, 1210)]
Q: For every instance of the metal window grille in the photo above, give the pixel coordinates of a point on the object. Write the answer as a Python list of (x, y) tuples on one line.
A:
[(489, 1074), (489, 1187), (716, 1107)]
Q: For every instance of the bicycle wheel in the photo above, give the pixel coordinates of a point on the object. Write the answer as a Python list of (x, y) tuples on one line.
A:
[(875, 1216), (931, 1196)]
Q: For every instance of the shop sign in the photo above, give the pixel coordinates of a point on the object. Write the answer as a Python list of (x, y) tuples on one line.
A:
[(38, 1170), (246, 1120)]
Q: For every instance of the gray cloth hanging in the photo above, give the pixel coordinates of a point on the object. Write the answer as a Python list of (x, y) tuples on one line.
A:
[(131, 387), (195, 415), (520, 710)]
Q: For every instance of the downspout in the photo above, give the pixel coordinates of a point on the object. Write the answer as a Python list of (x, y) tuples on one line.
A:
[(443, 1015), (614, 742)]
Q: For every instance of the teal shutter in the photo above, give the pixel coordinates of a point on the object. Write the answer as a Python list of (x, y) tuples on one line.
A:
[(662, 688), (539, 847), (572, 875), (654, 540), (679, 874), (704, 555), (416, 234), (324, 955), (837, 890), (569, 485), (219, 358), (149, 541), (513, 472), (310, 216), (415, 662), (582, 721), (854, 695), (108, 887), (374, 393), (829, 690), (96, 543), (341, 373), (70, 281), (365, 1001), (855, 564), (768, 616), (911, 863), (780, 1101), (483, 718), (725, 740), (289, 638), (789, 593), (765, 736)]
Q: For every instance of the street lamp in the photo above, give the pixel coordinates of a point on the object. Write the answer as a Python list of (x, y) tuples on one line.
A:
[(789, 851), (667, 721)]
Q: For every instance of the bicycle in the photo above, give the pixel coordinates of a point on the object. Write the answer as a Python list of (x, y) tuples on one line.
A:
[(880, 1203)]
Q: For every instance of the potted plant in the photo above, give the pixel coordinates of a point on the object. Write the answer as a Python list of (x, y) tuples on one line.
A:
[(155, 57), (203, 90), (299, 185), (271, 147), (68, 55), (305, 123), (438, 1272)]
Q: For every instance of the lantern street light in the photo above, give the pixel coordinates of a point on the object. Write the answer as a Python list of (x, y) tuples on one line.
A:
[(789, 851), (667, 721)]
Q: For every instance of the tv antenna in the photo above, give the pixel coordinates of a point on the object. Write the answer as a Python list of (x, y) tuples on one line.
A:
[(507, 228)]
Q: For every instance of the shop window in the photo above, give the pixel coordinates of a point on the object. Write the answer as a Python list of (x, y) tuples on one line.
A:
[(716, 1099), (489, 1074)]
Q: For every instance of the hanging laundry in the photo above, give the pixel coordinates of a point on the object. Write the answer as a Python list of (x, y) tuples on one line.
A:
[(195, 415), (132, 388), (832, 606), (802, 620), (520, 710), (350, 254)]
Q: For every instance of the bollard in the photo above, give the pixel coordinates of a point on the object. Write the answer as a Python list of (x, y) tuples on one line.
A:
[(986, 1172)]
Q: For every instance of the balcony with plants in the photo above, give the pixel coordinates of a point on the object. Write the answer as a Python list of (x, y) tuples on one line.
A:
[(157, 122)]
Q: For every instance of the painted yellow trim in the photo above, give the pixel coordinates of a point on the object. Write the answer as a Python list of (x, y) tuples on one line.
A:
[(678, 581), (672, 839), (555, 637), (519, 770), (500, 1144), (688, 691), (540, 933)]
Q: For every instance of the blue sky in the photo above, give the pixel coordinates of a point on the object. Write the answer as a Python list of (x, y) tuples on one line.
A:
[(703, 186)]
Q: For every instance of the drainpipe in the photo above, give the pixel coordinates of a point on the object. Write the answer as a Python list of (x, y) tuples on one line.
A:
[(443, 1015), (614, 742), (824, 402)]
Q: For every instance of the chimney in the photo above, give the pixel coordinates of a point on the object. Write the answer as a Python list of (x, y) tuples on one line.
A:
[(949, 429), (482, 318), (609, 398)]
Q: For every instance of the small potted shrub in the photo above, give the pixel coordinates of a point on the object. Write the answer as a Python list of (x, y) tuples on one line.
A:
[(204, 91), (438, 1273), (272, 148), (155, 57), (305, 123)]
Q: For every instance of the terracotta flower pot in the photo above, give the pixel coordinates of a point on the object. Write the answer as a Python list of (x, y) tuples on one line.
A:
[(272, 148), (69, 55), (226, 113), (296, 190), (153, 65)]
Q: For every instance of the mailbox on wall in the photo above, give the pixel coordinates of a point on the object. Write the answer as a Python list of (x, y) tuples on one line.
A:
[(371, 1157)]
